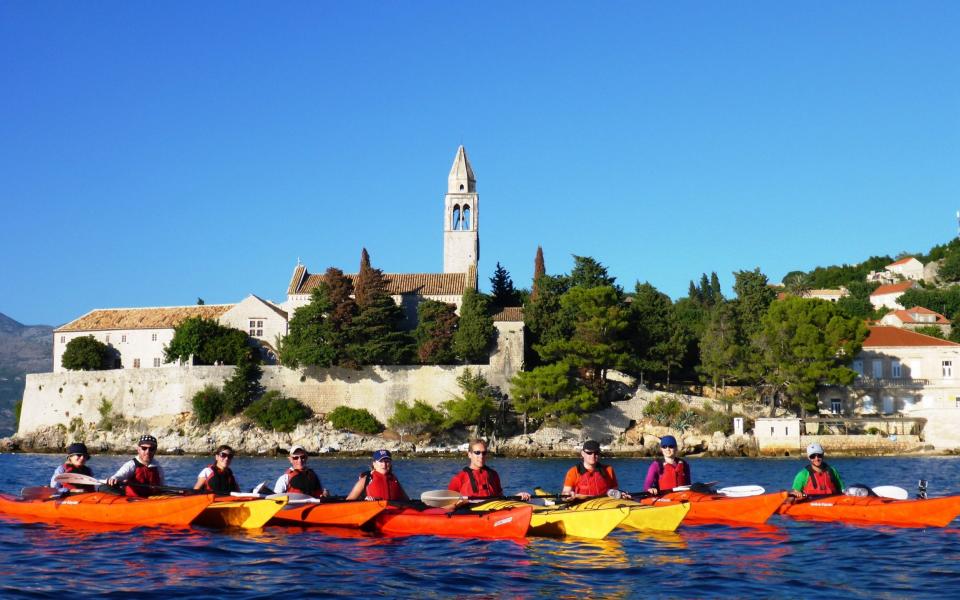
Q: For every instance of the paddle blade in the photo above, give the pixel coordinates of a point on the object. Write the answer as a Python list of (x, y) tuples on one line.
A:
[(440, 498), (891, 491), (77, 479), (540, 492), (740, 491), (38, 492)]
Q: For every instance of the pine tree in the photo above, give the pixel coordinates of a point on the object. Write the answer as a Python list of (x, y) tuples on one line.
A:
[(475, 331), (436, 325), (501, 288), (369, 282), (715, 293)]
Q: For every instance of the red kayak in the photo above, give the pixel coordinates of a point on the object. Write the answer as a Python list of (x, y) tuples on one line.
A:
[(99, 507), (341, 514), (507, 523), (929, 512), (717, 508)]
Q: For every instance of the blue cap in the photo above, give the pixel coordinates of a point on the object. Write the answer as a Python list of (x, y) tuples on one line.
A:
[(668, 441), (381, 454)]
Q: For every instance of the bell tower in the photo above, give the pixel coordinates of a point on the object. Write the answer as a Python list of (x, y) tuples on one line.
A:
[(461, 218)]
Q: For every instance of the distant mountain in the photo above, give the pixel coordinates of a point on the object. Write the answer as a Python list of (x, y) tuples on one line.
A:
[(23, 349)]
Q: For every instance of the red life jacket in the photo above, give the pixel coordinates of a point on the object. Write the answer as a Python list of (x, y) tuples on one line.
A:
[(83, 470), (220, 482), (304, 482), (484, 483), (145, 475), (674, 475), (822, 483), (593, 483), (382, 487)]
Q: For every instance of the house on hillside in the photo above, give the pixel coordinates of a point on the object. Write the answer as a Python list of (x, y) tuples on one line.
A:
[(830, 295), (887, 295), (908, 268), (918, 316), (898, 371)]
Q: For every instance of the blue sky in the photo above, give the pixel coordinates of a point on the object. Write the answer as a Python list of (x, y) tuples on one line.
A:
[(153, 153)]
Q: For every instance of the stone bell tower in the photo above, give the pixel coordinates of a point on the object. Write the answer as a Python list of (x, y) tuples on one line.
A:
[(461, 218)]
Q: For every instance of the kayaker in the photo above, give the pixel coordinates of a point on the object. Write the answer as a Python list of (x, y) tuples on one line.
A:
[(669, 471), (477, 480), (142, 469), (590, 478), (218, 477), (817, 478), (379, 483), (77, 457), (298, 479)]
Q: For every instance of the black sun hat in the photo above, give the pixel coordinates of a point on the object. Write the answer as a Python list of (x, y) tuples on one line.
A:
[(77, 448)]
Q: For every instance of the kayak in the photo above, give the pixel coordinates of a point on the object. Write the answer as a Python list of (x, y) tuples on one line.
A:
[(341, 514), (565, 520), (650, 518), (717, 508), (506, 523), (929, 512), (227, 511), (100, 507)]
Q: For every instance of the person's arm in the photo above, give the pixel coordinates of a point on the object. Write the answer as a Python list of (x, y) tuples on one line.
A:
[(612, 476), (202, 478), (650, 482), (125, 472), (799, 482), (357, 489), (281, 485), (495, 483), (456, 483), (570, 482), (53, 480)]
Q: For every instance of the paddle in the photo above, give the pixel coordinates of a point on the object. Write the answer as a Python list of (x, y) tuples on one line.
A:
[(292, 497), (38, 492), (704, 488), (741, 491), (445, 498), (79, 479), (891, 491)]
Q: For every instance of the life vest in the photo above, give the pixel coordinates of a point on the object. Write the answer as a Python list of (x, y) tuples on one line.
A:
[(83, 470), (483, 483), (220, 482), (674, 475), (304, 482), (822, 483), (145, 475), (592, 483), (382, 487)]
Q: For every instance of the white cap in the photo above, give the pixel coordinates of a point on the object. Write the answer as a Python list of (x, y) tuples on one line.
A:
[(293, 449), (814, 448)]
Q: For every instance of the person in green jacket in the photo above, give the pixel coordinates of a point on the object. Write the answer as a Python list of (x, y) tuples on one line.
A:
[(817, 478)]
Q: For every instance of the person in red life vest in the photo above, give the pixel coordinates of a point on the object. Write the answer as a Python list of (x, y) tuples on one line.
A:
[(477, 480), (77, 457), (141, 475), (818, 478), (298, 479), (590, 478), (379, 483), (218, 477), (667, 472)]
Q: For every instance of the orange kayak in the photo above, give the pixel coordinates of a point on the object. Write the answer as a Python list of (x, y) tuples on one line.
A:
[(930, 512), (507, 523), (717, 508), (340, 514), (99, 507)]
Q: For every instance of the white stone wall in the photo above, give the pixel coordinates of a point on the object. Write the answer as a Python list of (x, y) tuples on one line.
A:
[(942, 429), (507, 359), (886, 300), (912, 269), (773, 435), (145, 345)]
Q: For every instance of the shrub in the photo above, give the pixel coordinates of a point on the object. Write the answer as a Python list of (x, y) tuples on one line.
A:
[(663, 410), (418, 419), (355, 420), (17, 409), (86, 354), (275, 411), (207, 405)]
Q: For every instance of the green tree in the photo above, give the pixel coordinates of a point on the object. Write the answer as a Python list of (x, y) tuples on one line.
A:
[(588, 272), (649, 329), (275, 411), (502, 291), (356, 420), (207, 405), (436, 325), (720, 347), (551, 392), (207, 341), (931, 330), (945, 301), (476, 407), (475, 333), (86, 353), (950, 267), (539, 270), (543, 316), (310, 338), (243, 387), (415, 420), (806, 343), (377, 336)]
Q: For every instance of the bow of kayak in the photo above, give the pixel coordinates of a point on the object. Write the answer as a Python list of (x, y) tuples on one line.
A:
[(506, 523), (330, 513), (100, 507), (929, 512), (649, 518), (226, 511), (563, 520), (717, 508)]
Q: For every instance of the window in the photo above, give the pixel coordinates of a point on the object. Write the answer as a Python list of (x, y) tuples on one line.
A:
[(156, 362), (136, 363), (947, 366), (956, 402), (858, 367), (256, 328), (63, 339), (123, 339), (153, 337), (835, 406), (895, 369), (877, 369), (108, 338)]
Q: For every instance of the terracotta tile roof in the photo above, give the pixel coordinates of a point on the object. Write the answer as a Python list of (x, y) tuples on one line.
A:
[(296, 280), (142, 318), (902, 261), (509, 314), (893, 288), (885, 337), (906, 316), (424, 284)]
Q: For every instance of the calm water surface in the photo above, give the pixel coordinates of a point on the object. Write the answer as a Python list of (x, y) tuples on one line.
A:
[(783, 559)]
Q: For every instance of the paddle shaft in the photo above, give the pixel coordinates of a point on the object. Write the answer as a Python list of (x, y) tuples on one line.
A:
[(79, 479)]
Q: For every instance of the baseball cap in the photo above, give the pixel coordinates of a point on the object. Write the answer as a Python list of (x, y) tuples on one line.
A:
[(591, 446), (814, 448), (148, 439), (381, 454), (668, 441), (297, 448)]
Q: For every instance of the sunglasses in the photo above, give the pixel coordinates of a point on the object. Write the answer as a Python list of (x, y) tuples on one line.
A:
[(480, 452), (299, 457), (81, 455), (674, 447), (225, 455), (813, 456), (148, 448), (590, 452)]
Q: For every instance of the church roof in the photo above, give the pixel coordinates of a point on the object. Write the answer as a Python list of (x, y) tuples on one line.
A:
[(424, 284), (166, 317), (461, 172), (509, 313)]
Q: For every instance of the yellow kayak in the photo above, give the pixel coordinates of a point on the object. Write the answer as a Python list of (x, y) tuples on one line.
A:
[(650, 518), (559, 521), (228, 511)]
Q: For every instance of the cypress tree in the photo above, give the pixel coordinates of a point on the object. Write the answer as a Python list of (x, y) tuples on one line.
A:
[(539, 270)]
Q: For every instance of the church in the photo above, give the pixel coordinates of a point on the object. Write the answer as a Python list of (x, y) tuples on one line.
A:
[(138, 335)]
